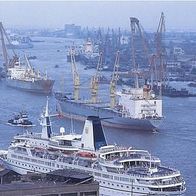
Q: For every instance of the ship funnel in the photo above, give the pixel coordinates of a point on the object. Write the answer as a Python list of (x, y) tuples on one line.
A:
[(93, 135), (45, 123)]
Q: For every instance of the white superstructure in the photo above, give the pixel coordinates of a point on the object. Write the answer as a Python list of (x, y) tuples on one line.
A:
[(140, 103), (119, 170), (24, 73)]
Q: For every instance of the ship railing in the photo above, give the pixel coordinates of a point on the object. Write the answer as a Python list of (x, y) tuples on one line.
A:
[(15, 144), (166, 174), (139, 156), (45, 156), (145, 176), (114, 148), (110, 162), (148, 105), (160, 182), (135, 171), (56, 144), (169, 182), (28, 135), (20, 151)]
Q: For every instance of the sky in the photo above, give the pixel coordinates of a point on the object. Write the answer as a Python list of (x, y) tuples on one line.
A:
[(179, 15)]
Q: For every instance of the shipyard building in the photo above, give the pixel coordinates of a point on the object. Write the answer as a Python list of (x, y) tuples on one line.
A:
[(56, 183)]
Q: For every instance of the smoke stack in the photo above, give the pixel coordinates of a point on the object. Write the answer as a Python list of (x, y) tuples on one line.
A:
[(93, 135)]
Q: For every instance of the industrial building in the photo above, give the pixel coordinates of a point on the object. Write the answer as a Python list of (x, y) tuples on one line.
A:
[(56, 183)]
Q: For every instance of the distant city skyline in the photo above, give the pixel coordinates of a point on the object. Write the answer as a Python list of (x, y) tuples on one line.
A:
[(179, 15)]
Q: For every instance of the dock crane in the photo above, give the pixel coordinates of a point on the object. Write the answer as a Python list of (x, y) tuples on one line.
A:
[(160, 52), (76, 77), (135, 29), (158, 62), (95, 80), (115, 77)]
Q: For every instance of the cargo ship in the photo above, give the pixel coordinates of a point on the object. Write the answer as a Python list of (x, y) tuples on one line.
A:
[(18, 42), (89, 55), (21, 75), (137, 109), (27, 79), (170, 91)]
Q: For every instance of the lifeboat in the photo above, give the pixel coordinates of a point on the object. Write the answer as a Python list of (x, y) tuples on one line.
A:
[(53, 149), (39, 149), (86, 154)]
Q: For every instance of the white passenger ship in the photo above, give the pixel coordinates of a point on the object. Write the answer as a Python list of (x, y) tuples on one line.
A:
[(119, 170)]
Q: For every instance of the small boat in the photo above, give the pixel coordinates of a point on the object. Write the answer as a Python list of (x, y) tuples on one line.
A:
[(32, 57), (192, 84), (21, 120)]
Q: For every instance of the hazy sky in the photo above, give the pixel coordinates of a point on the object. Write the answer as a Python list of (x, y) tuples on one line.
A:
[(178, 14)]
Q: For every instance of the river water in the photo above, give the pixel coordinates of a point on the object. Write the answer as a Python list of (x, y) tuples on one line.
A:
[(174, 144)]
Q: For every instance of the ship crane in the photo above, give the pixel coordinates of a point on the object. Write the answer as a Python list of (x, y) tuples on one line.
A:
[(115, 77), (95, 81), (8, 61), (76, 77), (31, 72), (28, 62)]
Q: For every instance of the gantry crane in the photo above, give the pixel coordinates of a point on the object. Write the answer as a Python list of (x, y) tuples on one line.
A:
[(115, 77), (76, 77), (95, 80)]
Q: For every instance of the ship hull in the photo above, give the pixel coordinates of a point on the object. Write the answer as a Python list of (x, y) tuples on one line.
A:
[(77, 58), (39, 86), (108, 187), (80, 111), (89, 60)]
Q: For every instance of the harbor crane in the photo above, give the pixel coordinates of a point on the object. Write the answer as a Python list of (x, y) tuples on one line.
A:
[(160, 51), (135, 30), (115, 77), (158, 62), (76, 77), (95, 80)]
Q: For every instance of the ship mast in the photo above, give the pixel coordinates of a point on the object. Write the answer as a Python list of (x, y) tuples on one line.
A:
[(95, 81), (113, 82), (45, 123), (76, 77)]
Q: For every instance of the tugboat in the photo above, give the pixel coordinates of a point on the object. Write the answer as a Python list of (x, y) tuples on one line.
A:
[(21, 120)]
